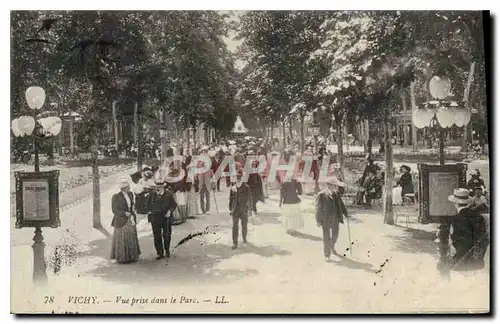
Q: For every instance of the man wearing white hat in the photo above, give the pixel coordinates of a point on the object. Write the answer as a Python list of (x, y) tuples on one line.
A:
[(468, 234), (162, 204), (329, 214)]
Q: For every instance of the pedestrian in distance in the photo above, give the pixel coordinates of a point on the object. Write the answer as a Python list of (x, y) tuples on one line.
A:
[(125, 243), (330, 210), (205, 184), (162, 204)]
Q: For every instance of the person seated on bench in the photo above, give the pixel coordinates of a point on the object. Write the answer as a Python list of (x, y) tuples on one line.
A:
[(406, 183), (373, 188)]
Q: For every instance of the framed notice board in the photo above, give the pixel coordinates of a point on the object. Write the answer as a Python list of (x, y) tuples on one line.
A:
[(37, 199), (436, 183)]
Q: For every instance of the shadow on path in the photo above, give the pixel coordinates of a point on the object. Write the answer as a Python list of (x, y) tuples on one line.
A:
[(193, 263), (306, 237), (352, 264)]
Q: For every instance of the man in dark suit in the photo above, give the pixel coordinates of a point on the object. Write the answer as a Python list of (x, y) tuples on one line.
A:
[(329, 214), (469, 234), (162, 204), (240, 202)]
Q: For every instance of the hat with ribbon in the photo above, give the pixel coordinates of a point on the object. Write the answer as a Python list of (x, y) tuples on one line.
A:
[(160, 182), (460, 196)]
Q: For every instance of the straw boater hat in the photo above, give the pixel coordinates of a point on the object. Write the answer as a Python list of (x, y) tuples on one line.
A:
[(460, 196), (123, 183), (160, 182), (335, 181)]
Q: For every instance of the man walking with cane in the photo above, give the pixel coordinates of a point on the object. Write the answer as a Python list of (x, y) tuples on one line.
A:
[(240, 202), (329, 214)]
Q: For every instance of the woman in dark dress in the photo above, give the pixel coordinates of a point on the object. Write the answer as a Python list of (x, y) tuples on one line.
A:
[(406, 182), (125, 243)]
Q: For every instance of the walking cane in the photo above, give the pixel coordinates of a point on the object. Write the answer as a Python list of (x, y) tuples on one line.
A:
[(349, 234), (215, 201)]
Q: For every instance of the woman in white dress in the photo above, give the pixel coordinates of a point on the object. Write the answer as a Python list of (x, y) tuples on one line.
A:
[(191, 201)]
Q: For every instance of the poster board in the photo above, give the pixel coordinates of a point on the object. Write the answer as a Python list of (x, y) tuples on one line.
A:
[(436, 183), (37, 199)]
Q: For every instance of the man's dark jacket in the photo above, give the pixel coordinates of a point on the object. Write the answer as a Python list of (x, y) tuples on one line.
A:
[(240, 201), (160, 206), (330, 208), (469, 238)]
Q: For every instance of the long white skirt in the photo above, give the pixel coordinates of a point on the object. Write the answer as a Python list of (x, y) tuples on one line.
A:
[(265, 188), (396, 196), (294, 218), (192, 203)]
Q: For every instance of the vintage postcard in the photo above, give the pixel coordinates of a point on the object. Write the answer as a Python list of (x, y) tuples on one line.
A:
[(179, 162)]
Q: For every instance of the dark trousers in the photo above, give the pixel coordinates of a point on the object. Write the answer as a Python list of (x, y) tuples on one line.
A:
[(228, 182), (254, 205), (218, 184), (204, 199), (330, 236), (244, 228), (162, 233)]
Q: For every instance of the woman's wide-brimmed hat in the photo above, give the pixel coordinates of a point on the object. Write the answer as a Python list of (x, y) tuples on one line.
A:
[(335, 181), (136, 176), (123, 183), (460, 196)]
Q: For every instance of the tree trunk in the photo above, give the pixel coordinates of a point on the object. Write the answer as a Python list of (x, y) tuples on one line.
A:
[(398, 134), (96, 190), (413, 107), (470, 78), (138, 136), (346, 134), (290, 128), (284, 134), (369, 143), (340, 144), (194, 137), (163, 136), (72, 137), (302, 137), (405, 121), (60, 144), (389, 172), (115, 125), (272, 136)]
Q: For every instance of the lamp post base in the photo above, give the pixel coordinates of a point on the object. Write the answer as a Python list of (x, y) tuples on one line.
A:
[(39, 266), (444, 248)]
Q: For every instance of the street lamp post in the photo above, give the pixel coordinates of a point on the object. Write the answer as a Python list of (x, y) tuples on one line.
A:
[(41, 128), (441, 114)]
